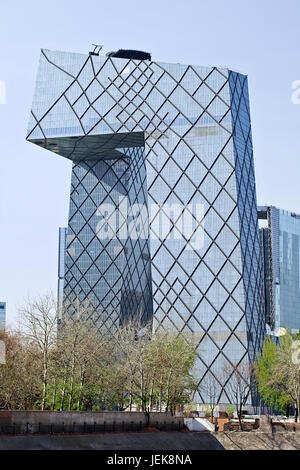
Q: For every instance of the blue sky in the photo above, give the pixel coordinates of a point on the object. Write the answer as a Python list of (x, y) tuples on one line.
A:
[(258, 38)]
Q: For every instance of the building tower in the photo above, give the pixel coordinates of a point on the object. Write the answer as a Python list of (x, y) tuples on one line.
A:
[(163, 218), (281, 261)]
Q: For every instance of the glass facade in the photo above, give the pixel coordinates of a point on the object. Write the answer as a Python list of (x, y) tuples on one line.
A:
[(2, 316), (163, 218), (281, 253), (62, 243)]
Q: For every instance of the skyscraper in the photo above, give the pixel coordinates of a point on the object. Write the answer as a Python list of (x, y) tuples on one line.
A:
[(281, 256), (2, 316), (163, 218)]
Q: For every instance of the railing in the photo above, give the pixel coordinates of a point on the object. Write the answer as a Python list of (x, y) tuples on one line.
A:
[(87, 428)]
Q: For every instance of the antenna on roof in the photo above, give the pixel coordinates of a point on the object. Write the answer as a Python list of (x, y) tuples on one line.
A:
[(97, 49)]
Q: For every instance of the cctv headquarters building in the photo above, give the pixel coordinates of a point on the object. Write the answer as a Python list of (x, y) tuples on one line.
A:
[(163, 222)]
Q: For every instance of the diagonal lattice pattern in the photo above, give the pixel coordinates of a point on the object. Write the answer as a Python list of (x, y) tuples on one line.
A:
[(165, 136), (113, 274)]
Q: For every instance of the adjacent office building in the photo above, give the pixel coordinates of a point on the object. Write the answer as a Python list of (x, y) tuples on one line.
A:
[(2, 316), (163, 222), (281, 259)]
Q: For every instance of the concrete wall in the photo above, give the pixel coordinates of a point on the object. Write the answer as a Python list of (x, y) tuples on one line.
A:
[(198, 424), (31, 421)]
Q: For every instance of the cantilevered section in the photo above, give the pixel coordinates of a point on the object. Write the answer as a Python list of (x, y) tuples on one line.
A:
[(91, 147)]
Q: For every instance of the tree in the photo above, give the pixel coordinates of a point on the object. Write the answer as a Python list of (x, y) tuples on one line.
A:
[(158, 366), (79, 353), (39, 321), (210, 387), (286, 371), (278, 372), (271, 393), (132, 340), (78, 367), (171, 359), (20, 375), (178, 359), (73, 342), (239, 386)]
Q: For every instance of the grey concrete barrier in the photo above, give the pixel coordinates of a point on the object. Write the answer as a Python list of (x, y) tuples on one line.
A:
[(48, 422)]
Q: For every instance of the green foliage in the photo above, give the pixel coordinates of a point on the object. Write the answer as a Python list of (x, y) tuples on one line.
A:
[(296, 336), (88, 371), (271, 394), (230, 411)]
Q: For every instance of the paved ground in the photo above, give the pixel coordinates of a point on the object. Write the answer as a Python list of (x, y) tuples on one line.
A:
[(114, 441), (259, 440), (156, 441)]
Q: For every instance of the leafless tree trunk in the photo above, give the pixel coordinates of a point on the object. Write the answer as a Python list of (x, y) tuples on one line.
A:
[(210, 387), (53, 395), (238, 386), (82, 377)]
